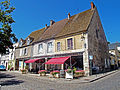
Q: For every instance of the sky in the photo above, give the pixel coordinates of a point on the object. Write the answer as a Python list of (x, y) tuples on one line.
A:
[(32, 15)]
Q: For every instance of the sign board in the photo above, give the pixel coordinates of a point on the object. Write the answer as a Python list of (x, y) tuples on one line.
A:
[(90, 57)]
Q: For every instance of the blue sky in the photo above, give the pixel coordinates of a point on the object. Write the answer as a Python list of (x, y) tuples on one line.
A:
[(31, 15)]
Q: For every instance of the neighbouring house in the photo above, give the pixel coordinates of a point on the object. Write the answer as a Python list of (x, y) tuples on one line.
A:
[(11, 62), (114, 50), (5, 60), (8, 59), (25, 49), (77, 41)]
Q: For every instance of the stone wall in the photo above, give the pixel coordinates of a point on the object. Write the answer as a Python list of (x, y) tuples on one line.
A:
[(97, 42), (20, 50)]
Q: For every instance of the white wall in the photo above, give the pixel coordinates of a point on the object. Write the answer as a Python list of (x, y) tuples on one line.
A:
[(12, 51), (35, 48)]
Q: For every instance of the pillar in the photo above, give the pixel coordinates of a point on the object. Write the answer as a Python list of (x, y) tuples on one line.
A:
[(45, 64), (62, 66)]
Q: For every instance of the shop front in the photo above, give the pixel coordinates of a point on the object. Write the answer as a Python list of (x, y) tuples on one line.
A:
[(34, 65)]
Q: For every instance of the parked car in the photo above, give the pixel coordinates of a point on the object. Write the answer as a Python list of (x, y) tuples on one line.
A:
[(2, 68)]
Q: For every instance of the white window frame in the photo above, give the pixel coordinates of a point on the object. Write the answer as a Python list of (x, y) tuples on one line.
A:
[(28, 41), (20, 43), (50, 48), (40, 50), (21, 52)]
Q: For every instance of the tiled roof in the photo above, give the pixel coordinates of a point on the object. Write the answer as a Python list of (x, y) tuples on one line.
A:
[(76, 23), (113, 46), (53, 30), (35, 36)]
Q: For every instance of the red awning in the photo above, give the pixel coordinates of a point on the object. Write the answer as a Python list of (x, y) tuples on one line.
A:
[(60, 60), (32, 60)]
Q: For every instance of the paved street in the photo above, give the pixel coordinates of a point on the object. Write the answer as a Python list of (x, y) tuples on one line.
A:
[(17, 81)]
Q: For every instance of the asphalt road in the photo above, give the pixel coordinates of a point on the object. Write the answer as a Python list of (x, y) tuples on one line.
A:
[(16, 81)]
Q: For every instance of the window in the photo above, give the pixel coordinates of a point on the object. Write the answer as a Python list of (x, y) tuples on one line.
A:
[(40, 48), (58, 46), (70, 44), (28, 41), (25, 51), (97, 33), (49, 47), (20, 43), (11, 55)]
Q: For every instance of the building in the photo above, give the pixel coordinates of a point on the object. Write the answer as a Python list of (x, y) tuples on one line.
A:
[(5, 59), (8, 59), (11, 62), (77, 41), (114, 54)]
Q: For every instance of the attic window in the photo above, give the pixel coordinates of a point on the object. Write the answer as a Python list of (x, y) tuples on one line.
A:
[(20, 43), (28, 41)]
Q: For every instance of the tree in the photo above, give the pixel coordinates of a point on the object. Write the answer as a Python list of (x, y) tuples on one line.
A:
[(7, 38)]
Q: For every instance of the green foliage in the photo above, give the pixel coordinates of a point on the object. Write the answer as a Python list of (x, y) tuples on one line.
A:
[(6, 36), (27, 67), (74, 69), (9, 66), (69, 70)]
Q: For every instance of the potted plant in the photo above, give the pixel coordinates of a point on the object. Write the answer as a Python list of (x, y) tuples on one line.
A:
[(24, 71), (42, 72), (55, 73), (69, 74)]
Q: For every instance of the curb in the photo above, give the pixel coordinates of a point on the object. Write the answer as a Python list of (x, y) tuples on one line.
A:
[(104, 76)]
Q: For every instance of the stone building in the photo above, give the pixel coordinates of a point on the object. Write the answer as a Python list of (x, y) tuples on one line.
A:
[(77, 41)]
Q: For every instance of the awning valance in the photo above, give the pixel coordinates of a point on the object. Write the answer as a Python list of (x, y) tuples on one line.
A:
[(59, 60), (32, 60)]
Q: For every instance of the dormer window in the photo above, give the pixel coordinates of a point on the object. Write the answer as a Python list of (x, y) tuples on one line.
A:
[(28, 41), (20, 43)]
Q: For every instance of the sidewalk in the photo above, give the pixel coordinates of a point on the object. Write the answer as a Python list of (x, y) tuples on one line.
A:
[(88, 79)]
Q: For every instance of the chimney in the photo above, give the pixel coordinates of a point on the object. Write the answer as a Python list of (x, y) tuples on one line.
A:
[(92, 6), (68, 16), (46, 26), (51, 22)]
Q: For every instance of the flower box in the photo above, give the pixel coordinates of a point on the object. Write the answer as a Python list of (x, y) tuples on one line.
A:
[(55, 74), (42, 72), (24, 71)]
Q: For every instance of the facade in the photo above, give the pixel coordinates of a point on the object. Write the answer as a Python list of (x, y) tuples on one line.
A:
[(25, 49), (8, 59), (5, 60), (80, 38), (11, 62)]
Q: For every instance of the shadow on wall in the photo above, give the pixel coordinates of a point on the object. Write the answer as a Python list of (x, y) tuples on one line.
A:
[(11, 82)]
